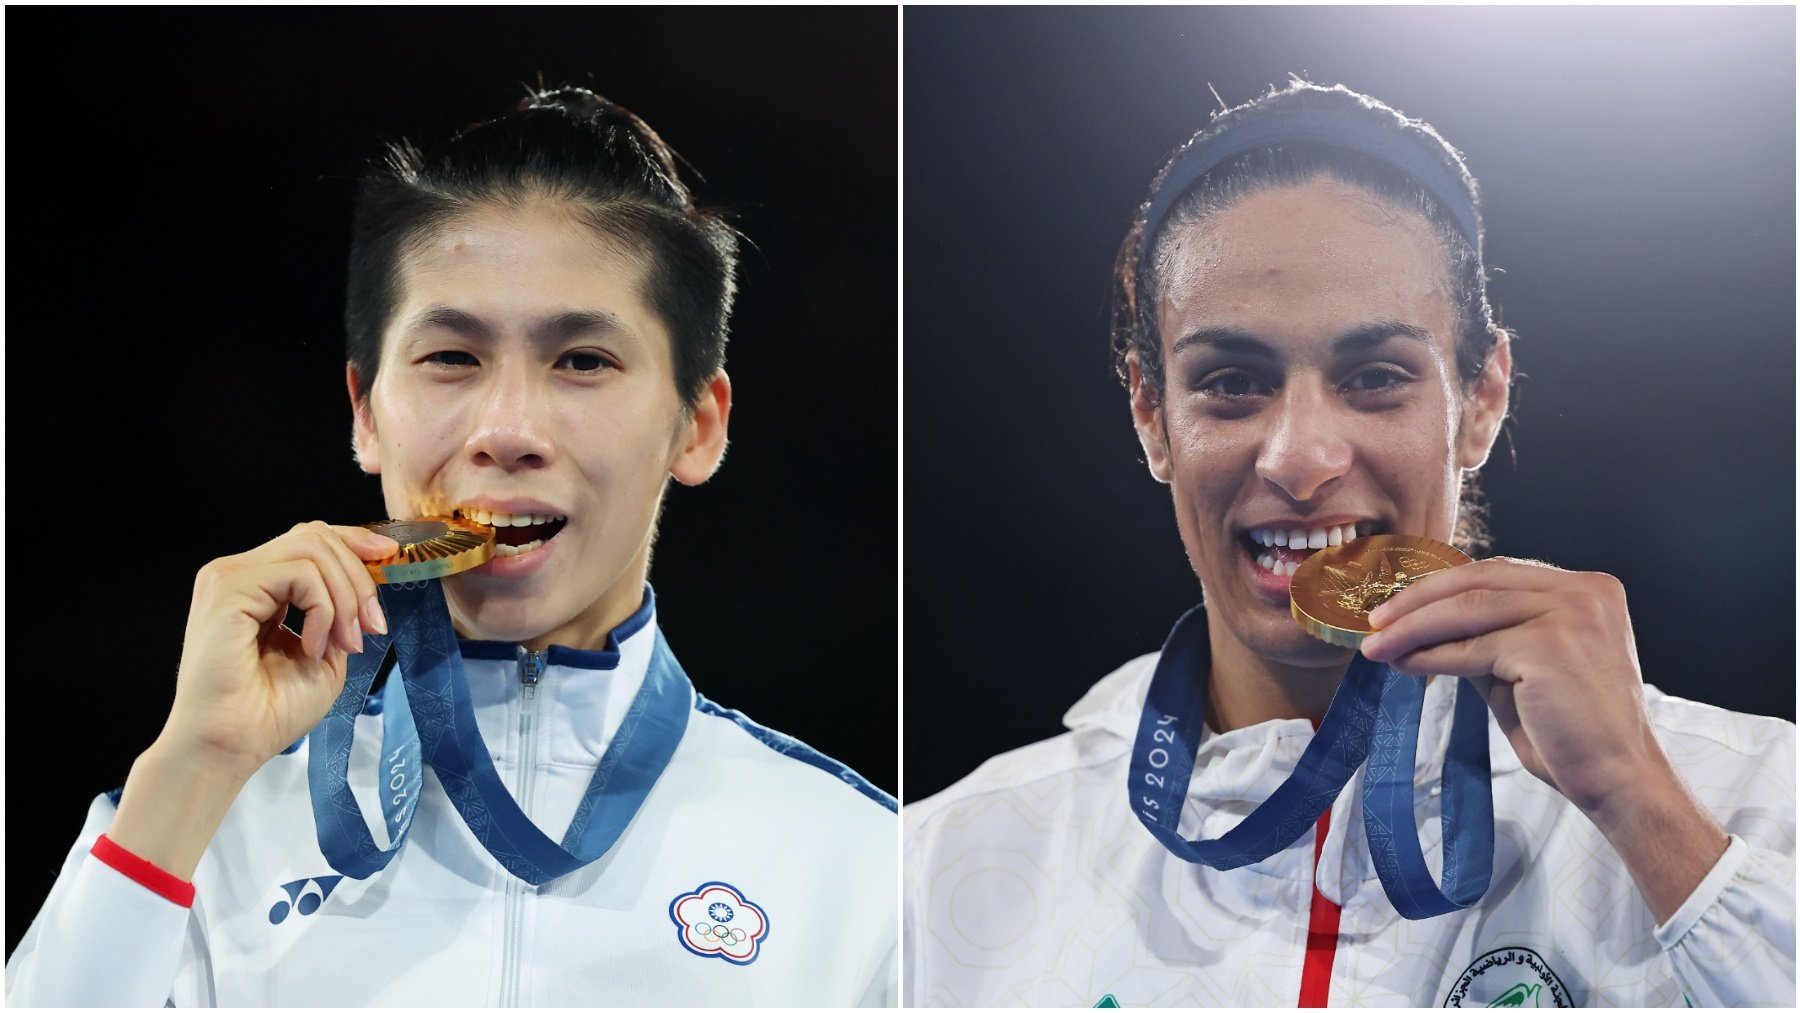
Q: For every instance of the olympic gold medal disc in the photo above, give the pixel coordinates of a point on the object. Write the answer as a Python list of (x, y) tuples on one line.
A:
[(1336, 588), (431, 547)]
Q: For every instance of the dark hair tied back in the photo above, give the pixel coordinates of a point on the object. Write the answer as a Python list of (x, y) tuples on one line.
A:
[(573, 147), (1137, 269)]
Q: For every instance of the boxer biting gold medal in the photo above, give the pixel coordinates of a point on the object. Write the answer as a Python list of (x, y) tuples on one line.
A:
[(1335, 589)]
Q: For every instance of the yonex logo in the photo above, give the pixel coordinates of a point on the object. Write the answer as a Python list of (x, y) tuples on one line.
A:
[(305, 902)]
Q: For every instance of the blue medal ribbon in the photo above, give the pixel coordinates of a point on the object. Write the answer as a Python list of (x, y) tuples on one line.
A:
[(1467, 817), (1373, 716), (430, 718)]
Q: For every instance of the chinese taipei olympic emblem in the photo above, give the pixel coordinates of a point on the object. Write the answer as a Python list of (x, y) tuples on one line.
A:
[(714, 920)]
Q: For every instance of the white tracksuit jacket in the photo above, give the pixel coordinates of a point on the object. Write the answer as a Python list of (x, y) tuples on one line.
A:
[(1031, 882), (783, 838)]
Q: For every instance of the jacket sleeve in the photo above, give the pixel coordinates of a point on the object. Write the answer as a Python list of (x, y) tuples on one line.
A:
[(1732, 942), (101, 939)]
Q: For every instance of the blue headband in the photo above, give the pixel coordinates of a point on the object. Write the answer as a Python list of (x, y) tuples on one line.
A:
[(1444, 182)]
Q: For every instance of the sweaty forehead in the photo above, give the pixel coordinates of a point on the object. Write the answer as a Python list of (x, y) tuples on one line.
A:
[(1302, 260)]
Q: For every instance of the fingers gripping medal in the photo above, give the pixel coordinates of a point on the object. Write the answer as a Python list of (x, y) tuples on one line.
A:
[(1332, 594)]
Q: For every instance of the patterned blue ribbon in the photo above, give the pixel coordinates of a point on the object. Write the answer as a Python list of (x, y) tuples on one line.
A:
[(1467, 816), (430, 718), (1373, 716)]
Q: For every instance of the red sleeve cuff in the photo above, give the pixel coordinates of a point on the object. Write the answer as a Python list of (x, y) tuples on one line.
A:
[(163, 884)]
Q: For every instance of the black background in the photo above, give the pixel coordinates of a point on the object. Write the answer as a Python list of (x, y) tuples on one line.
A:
[(179, 188), (1637, 166)]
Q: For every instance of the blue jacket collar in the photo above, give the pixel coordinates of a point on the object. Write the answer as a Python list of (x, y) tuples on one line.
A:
[(604, 659)]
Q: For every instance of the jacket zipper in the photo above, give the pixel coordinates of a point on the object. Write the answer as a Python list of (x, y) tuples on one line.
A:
[(531, 668)]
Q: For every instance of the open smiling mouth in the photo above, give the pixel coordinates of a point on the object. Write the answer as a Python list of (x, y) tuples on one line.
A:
[(1280, 551), (515, 533)]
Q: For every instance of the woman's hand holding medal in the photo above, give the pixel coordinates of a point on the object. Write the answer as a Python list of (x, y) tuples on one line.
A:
[(248, 687), (1552, 653)]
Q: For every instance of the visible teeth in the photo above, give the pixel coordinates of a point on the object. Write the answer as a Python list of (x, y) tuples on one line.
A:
[(1265, 561), (500, 520), (1291, 567), (513, 550), (1302, 539)]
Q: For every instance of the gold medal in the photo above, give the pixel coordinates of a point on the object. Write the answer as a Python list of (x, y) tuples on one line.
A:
[(431, 547), (1335, 589)]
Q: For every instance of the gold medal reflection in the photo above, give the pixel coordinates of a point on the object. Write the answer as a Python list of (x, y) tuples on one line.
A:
[(431, 547), (1335, 589)]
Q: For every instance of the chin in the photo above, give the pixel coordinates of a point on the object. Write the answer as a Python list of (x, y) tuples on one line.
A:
[(1275, 636), (496, 618)]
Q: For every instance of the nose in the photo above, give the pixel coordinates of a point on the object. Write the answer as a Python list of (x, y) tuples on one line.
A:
[(508, 429), (1306, 446)]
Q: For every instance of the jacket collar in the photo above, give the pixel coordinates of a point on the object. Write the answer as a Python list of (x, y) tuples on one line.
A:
[(580, 696), (605, 658), (1112, 707), (1236, 771)]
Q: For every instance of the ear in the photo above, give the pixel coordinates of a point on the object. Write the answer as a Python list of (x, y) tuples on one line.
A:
[(1146, 417), (362, 424), (702, 440), (1485, 407)]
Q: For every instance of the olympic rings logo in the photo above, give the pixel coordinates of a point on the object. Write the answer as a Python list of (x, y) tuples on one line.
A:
[(719, 933)]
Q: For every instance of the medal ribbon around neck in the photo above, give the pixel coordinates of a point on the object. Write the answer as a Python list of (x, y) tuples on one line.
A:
[(1374, 716), (431, 719)]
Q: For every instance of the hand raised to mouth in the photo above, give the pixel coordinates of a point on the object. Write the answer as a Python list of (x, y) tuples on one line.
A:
[(1553, 654)]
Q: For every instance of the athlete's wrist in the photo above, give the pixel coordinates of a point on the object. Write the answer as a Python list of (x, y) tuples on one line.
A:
[(1668, 840), (184, 742), (172, 806), (1646, 789)]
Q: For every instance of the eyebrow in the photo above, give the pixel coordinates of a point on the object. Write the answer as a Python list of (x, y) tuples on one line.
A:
[(1359, 338), (550, 330)]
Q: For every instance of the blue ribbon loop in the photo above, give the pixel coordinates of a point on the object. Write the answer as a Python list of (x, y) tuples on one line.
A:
[(1467, 817), (1373, 716), (430, 718)]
